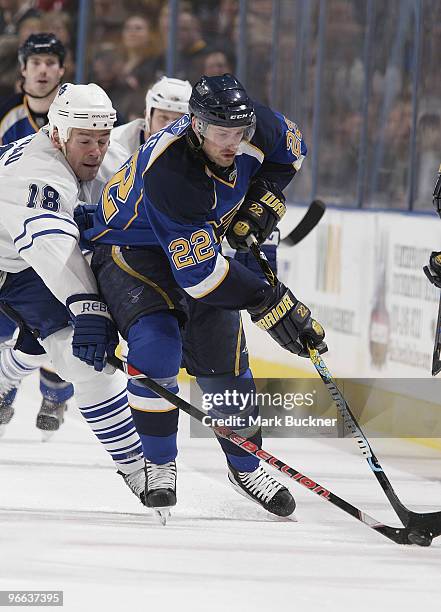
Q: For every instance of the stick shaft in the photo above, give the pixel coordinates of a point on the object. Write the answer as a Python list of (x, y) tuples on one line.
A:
[(398, 535)]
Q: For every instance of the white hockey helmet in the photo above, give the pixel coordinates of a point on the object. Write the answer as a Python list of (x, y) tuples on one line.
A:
[(80, 106), (167, 94)]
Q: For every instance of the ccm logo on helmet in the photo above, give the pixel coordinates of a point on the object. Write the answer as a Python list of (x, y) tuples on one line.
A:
[(103, 116), (239, 116)]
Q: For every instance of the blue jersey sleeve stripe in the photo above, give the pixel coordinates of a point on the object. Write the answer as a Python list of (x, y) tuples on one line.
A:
[(44, 216), (45, 233)]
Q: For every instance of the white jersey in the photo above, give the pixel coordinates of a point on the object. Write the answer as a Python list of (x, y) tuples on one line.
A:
[(37, 200), (130, 136)]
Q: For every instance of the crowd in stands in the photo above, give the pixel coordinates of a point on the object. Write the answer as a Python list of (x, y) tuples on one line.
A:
[(127, 45), (127, 51)]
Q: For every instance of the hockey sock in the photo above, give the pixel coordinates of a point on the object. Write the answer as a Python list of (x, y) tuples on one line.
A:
[(13, 368), (242, 384), (111, 421), (54, 388), (155, 348)]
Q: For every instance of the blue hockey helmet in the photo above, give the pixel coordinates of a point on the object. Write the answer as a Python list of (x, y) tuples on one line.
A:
[(38, 44), (222, 101)]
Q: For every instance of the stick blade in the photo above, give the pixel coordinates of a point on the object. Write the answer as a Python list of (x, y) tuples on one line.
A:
[(312, 216)]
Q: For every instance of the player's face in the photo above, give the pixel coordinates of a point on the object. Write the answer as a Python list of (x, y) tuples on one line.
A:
[(85, 150), (41, 74), (221, 144), (161, 118)]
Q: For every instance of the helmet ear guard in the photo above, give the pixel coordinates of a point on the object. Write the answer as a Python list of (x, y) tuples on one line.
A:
[(85, 107)]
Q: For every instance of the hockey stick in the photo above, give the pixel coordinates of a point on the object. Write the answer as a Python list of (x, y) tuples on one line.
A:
[(312, 216), (422, 527), (399, 535)]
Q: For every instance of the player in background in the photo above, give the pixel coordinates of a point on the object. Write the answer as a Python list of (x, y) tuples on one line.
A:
[(166, 101), (46, 284), (172, 293), (41, 60)]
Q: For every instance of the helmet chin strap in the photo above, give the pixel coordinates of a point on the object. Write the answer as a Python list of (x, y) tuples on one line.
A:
[(40, 97)]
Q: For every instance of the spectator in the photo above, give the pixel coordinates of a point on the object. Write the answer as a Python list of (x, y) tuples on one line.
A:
[(8, 66), (14, 11), (139, 52), (60, 24), (107, 68), (190, 45), (107, 20), (217, 62), (31, 24)]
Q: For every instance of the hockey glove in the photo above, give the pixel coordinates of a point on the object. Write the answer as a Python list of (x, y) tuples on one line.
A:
[(288, 321), (433, 270), (259, 213), (83, 217), (269, 249), (95, 334)]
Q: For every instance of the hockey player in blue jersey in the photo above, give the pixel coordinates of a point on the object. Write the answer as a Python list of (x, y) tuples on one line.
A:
[(41, 60), (174, 296)]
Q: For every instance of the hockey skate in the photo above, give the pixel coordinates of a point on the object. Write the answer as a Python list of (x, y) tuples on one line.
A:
[(160, 488), (6, 408), (136, 483), (50, 417), (263, 489)]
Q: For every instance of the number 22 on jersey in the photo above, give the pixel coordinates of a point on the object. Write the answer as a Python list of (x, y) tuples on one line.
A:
[(187, 253)]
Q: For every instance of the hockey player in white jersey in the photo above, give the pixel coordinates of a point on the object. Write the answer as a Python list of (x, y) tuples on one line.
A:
[(166, 101), (46, 285)]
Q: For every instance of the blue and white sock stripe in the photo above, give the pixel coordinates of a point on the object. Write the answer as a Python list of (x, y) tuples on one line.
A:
[(111, 422), (132, 463), (106, 415), (118, 429), (12, 368), (127, 454), (119, 397)]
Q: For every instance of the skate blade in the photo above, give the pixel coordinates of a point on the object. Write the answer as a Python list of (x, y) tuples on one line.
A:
[(162, 514), (46, 435)]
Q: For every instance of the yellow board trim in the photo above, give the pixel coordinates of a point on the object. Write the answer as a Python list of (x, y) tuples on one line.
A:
[(121, 263)]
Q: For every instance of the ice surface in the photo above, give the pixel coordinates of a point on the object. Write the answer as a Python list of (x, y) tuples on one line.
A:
[(68, 522)]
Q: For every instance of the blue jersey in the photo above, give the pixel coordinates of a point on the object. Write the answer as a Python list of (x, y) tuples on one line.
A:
[(16, 120), (166, 196)]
